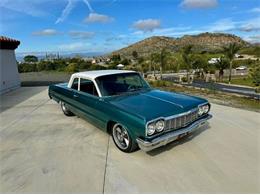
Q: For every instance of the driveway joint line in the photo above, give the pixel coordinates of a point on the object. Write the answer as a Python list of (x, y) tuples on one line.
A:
[(104, 179)]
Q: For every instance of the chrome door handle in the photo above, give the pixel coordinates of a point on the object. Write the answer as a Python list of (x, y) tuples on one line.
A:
[(75, 96)]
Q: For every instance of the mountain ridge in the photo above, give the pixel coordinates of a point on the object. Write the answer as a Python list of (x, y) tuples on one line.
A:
[(210, 42)]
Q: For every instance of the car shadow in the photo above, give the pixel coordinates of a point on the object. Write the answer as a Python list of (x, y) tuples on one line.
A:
[(181, 141)]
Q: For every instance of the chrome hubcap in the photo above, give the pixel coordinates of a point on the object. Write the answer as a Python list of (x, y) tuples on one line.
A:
[(121, 136), (63, 106)]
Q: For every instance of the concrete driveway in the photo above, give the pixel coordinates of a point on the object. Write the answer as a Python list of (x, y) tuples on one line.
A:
[(43, 151)]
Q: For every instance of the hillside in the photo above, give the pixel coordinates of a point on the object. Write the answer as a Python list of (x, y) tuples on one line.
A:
[(211, 42)]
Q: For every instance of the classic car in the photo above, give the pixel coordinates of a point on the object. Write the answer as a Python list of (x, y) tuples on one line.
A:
[(122, 103)]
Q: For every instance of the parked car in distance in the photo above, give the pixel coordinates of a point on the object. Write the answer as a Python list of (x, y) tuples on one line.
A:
[(241, 68), (123, 104)]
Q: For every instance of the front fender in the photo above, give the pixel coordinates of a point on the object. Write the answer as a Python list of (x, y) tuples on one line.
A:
[(134, 124)]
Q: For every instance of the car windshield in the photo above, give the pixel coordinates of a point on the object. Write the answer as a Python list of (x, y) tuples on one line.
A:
[(117, 84)]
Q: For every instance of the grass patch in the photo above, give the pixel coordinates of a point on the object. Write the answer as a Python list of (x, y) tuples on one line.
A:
[(213, 96), (247, 81)]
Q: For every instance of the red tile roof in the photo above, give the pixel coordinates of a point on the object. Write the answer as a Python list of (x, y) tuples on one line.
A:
[(8, 43)]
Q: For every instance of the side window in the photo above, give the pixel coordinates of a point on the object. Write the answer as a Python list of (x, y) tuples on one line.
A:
[(75, 84), (88, 86)]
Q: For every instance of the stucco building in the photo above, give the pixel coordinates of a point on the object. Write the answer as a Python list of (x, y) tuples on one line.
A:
[(9, 76)]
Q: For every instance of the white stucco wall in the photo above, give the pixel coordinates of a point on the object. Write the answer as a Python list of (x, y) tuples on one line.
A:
[(9, 76)]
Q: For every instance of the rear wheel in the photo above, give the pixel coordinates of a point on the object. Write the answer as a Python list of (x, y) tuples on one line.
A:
[(65, 109), (122, 139)]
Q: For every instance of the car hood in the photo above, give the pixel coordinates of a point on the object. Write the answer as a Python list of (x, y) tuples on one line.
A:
[(152, 104)]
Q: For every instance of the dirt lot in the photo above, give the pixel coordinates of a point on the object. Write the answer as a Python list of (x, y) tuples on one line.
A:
[(43, 151)]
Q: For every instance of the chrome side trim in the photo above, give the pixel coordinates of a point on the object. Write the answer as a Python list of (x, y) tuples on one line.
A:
[(171, 136)]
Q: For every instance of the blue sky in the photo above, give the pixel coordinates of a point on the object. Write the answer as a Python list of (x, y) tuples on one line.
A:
[(105, 25)]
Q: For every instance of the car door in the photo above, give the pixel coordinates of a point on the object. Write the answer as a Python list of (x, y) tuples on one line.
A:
[(89, 103), (68, 96)]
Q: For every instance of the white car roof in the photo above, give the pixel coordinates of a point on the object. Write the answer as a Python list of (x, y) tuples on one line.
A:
[(97, 73)]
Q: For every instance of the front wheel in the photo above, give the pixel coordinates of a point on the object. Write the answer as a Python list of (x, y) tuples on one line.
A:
[(65, 109), (122, 139)]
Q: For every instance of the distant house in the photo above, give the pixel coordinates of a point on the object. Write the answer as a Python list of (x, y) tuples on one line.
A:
[(213, 60), (238, 55), (120, 66), (9, 78), (93, 61)]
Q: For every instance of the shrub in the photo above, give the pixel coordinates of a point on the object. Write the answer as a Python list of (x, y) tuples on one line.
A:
[(212, 71), (97, 67), (27, 67), (184, 79), (85, 65), (72, 67), (255, 74)]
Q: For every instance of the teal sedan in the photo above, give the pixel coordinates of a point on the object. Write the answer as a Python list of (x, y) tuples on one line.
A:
[(123, 104)]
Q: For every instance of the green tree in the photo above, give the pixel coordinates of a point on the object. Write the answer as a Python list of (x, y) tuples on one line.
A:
[(72, 67), (187, 59), (140, 64), (30, 58), (85, 65), (221, 65), (116, 58), (255, 74), (154, 59), (135, 54), (125, 61), (164, 56), (200, 64), (27, 67), (230, 52)]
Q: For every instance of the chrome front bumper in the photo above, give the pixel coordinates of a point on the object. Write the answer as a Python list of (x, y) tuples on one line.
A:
[(171, 136)]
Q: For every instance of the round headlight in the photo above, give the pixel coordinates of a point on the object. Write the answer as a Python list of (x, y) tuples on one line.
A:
[(206, 108), (159, 125), (150, 129), (201, 110)]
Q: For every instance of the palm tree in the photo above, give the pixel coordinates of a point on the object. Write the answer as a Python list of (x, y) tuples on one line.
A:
[(155, 59), (164, 55), (230, 52), (221, 65), (186, 56)]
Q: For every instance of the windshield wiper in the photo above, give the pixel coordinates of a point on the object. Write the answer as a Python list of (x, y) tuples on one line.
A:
[(135, 89)]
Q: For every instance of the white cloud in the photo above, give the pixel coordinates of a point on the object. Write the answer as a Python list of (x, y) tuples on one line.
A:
[(98, 18), (255, 10), (69, 7), (147, 25), (199, 4), (73, 47), (251, 25), (66, 11), (172, 31), (32, 8), (81, 34), (46, 32), (167, 32), (222, 25), (89, 6), (253, 39)]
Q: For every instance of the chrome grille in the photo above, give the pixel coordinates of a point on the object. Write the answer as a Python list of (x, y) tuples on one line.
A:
[(180, 121)]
